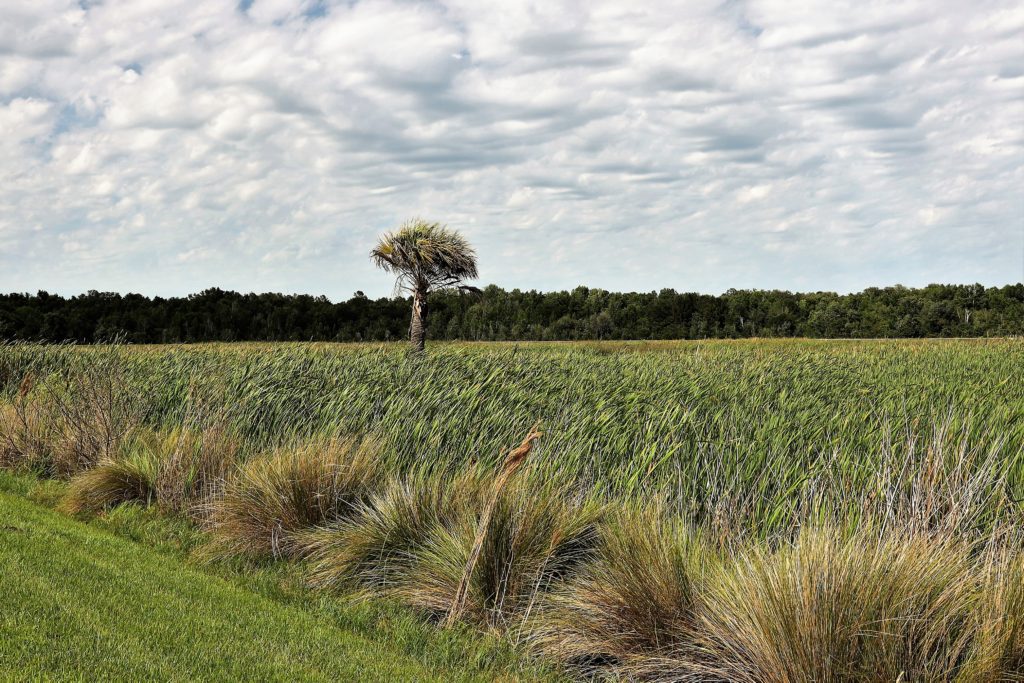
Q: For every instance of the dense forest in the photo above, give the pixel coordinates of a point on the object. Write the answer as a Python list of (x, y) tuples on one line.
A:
[(497, 314)]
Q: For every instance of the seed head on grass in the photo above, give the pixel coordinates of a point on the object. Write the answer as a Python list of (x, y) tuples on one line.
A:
[(513, 461), (271, 500)]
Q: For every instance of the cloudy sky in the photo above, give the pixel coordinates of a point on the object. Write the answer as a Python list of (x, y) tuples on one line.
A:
[(166, 146)]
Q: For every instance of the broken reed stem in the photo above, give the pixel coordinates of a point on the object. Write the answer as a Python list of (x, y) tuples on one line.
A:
[(513, 461)]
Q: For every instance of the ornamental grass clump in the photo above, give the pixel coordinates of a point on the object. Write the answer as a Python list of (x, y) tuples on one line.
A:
[(538, 531), (997, 653), (26, 437), (270, 500), (178, 470), (473, 546), (129, 478), (634, 608), (373, 551), (833, 608), (194, 466)]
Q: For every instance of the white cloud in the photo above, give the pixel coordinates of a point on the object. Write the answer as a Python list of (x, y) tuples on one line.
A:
[(753, 193), (22, 119), (173, 145)]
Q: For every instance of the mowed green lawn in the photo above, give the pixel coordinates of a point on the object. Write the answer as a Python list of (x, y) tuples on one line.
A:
[(79, 603)]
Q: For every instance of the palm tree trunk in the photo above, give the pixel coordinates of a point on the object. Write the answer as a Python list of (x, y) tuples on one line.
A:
[(418, 326)]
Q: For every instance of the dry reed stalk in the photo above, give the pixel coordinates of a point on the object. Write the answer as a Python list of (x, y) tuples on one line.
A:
[(512, 463)]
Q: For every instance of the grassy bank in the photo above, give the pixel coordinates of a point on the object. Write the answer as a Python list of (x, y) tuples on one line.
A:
[(117, 599)]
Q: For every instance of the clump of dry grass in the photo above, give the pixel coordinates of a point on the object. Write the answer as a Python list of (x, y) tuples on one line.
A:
[(130, 478), (998, 649), (413, 540), (538, 532), (271, 500), (373, 551), (194, 467), (636, 603), (26, 436), (178, 470), (828, 608)]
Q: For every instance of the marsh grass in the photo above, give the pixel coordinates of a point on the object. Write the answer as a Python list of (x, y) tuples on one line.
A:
[(26, 436), (738, 430), (997, 652), (178, 470), (194, 467)]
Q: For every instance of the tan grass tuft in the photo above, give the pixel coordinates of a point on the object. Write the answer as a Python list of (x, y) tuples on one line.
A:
[(635, 608), (829, 608), (373, 551), (539, 530), (113, 482), (270, 500)]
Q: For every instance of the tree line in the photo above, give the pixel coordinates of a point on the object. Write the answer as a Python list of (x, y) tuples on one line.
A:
[(498, 314)]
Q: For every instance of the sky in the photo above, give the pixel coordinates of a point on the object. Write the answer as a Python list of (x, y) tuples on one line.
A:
[(167, 146)]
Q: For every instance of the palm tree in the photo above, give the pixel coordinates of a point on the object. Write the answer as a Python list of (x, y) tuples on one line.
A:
[(425, 257)]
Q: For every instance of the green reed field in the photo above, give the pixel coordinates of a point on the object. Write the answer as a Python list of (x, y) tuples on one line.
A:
[(752, 427), (754, 510)]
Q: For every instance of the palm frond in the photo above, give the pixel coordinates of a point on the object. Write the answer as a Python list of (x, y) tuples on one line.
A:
[(426, 256)]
